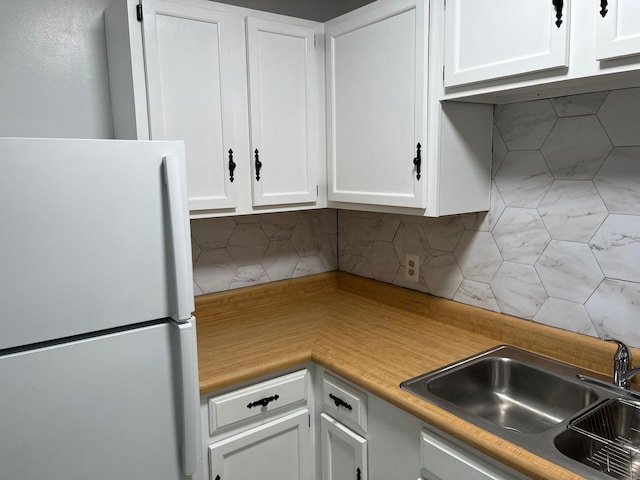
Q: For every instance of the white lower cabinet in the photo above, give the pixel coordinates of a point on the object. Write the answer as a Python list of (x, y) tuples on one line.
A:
[(278, 450), (262, 430), (344, 452), (277, 429)]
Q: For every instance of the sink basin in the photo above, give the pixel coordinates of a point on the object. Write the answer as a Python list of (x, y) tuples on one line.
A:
[(510, 388), (572, 417), (607, 438)]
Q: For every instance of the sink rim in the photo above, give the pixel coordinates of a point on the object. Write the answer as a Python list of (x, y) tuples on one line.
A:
[(565, 373), (543, 443)]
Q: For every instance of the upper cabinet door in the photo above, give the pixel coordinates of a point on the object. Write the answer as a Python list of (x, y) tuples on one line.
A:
[(196, 87), (376, 87), (618, 31), (490, 39), (284, 102)]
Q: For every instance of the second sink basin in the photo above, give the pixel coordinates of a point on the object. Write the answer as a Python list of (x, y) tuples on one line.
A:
[(508, 387)]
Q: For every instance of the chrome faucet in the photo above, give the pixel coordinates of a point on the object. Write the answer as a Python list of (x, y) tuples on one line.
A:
[(622, 359)]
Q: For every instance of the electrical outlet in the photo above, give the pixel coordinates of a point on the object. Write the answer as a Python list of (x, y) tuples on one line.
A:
[(412, 268)]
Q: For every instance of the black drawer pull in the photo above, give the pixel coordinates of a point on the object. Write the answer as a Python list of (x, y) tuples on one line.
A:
[(558, 4), (358, 474), (418, 161), (263, 402), (340, 402), (258, 164), (232, 165), (217, 477), (603, 8)]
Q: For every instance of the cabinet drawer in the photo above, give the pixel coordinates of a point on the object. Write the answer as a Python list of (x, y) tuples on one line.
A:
[(345, 403), (443, 459), (256, 400)]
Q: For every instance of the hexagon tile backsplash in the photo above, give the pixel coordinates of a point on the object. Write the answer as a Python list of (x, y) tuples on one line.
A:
[(234, 252), (561, 243)]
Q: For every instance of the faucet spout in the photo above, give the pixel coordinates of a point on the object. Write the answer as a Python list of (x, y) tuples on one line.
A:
[(621, 361)]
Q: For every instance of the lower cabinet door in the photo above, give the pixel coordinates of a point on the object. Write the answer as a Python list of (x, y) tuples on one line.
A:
[(278, 450), (344, 452)]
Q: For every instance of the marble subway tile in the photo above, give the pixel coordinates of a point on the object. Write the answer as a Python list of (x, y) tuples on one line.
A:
[(618, 181), (524, 126), (523, 179), (576, 148), (478, 256), (247, 244), (498, 152), (616, 246), (278, 226), (280, 260), (355, 234), (615, 310), (384, 226), (309, 266), (477, 294), (249, 275), (329, 219), (520, 235), (214, 270), (619, 117), (583, 104), (356, 265), (410, 238), (329, 253), (195, 251), (572, 210), (567, 316), (518, 290), (441, 274), (308, 236), (569, 271), (212, 232), (443, 233), (383, 261)]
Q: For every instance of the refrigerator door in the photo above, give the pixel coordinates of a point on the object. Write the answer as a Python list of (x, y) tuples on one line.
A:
[(101, 408), (88, 236)]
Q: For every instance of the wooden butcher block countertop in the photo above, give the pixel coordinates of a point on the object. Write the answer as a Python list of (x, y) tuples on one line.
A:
[(375, 335)]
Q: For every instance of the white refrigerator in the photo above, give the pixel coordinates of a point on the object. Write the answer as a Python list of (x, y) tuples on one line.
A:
[(98, 361)]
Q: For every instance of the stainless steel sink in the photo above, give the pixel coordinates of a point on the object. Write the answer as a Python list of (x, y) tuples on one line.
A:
[(606, 438), (510, 388), (572, 417)]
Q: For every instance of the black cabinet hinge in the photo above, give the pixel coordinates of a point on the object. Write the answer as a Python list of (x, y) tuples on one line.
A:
[(139, 12)]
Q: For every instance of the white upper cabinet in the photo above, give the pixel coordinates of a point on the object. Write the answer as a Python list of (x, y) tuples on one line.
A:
[(196, 84), (228, 81), (392, 146), (501, 51), (284, 95), (618, 31), (492, 39), (376, 63)]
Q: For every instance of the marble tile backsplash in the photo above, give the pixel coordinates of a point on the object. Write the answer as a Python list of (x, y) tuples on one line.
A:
[(561, 243), (234, 252)]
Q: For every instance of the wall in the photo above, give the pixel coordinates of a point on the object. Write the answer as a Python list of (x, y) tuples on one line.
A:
[(561, 243), (54, 69), (54, 80)]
